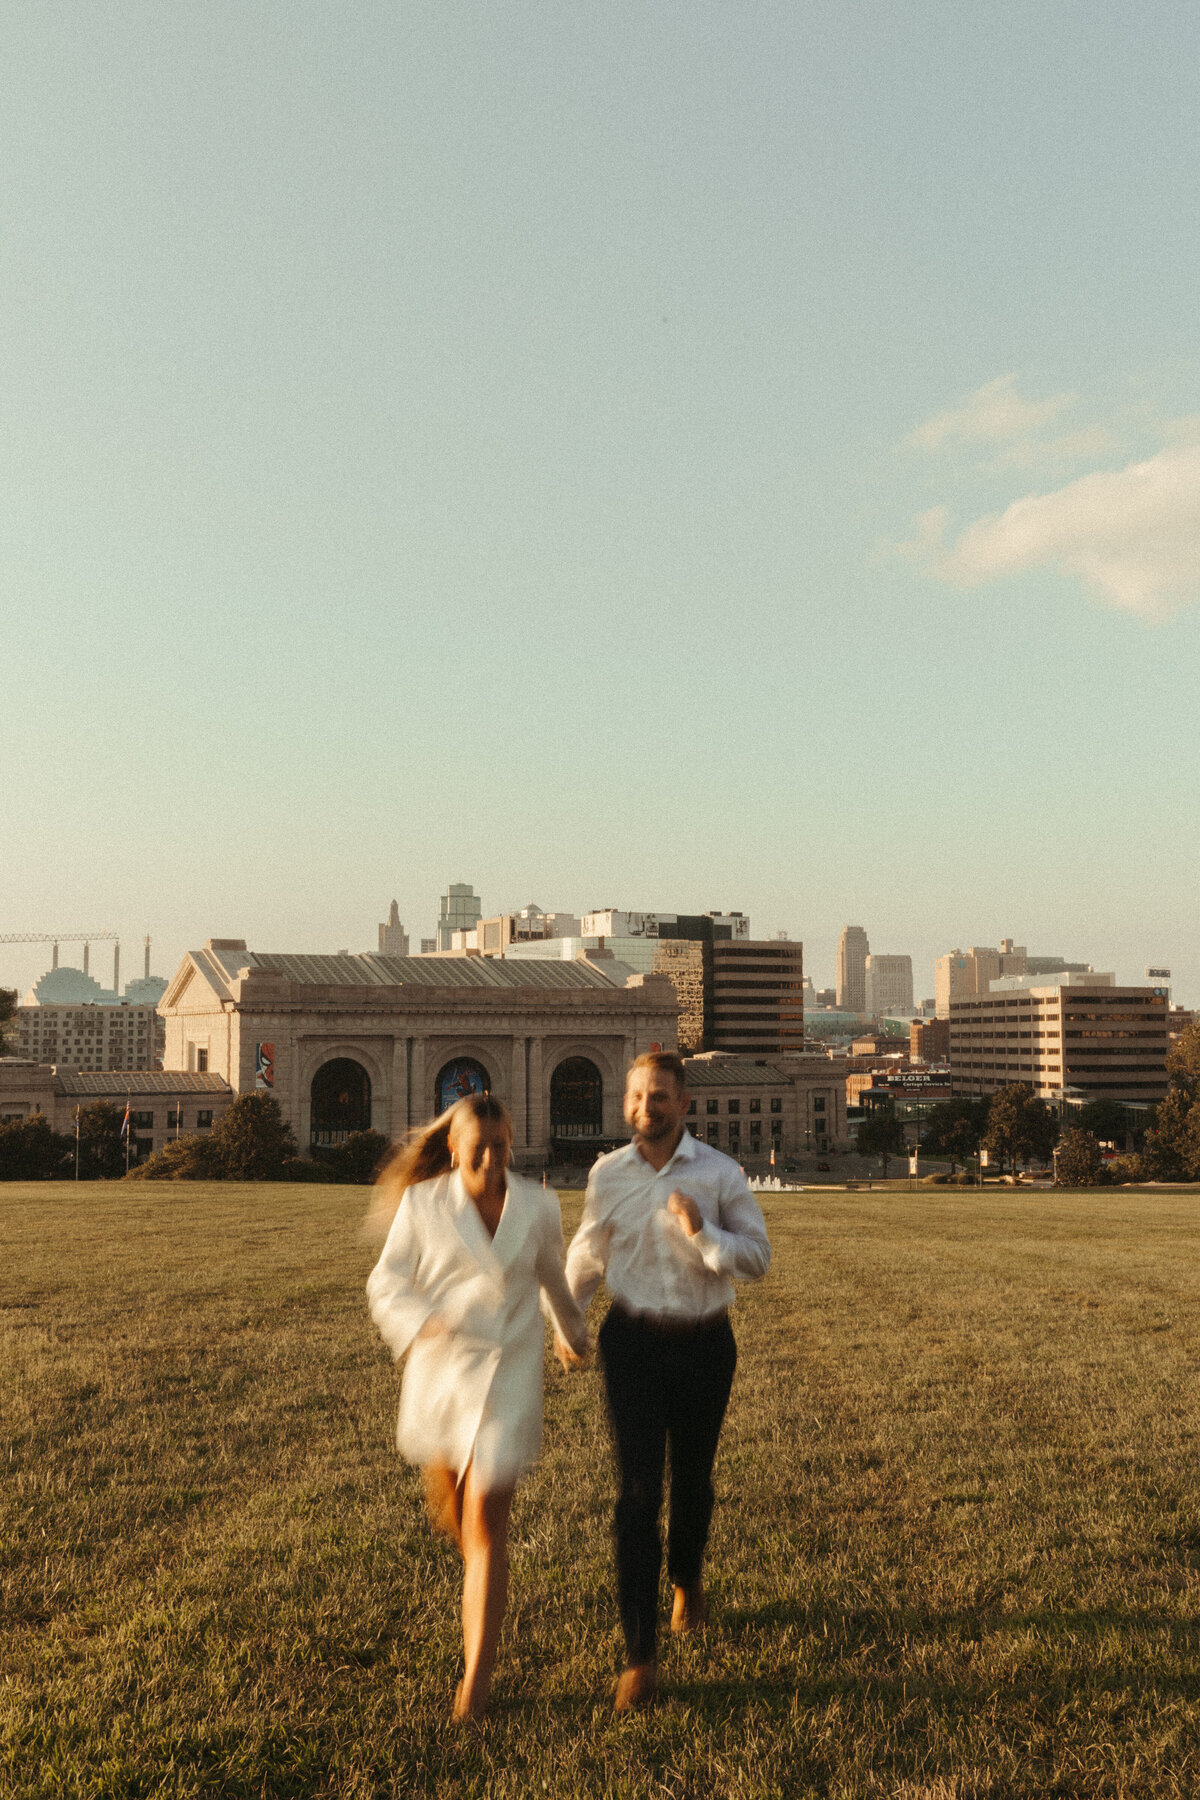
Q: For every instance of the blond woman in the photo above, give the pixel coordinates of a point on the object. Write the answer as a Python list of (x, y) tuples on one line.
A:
[(470, 1250)]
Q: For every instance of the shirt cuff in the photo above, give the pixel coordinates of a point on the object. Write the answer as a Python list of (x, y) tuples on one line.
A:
[(708, 1244)]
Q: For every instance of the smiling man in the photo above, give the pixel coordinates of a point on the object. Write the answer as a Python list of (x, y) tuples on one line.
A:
[(669, 1224)]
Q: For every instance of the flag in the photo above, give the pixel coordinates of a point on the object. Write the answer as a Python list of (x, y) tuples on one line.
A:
[(125, 1121), (772, 1156)]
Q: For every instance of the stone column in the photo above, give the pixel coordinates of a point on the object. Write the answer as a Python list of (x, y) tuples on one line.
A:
[(422, 1101), (398, 1121), (516, 1088), (539, 1123)]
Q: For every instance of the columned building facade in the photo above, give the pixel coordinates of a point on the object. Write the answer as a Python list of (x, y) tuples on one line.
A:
[(349, 1043)]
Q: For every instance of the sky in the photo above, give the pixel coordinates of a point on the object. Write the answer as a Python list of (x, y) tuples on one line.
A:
[(647, 455)]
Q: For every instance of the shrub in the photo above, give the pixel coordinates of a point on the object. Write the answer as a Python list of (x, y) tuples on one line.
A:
[(30, 1151)]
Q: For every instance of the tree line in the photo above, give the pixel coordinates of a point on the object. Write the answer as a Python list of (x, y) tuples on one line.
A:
[(251, 1142)]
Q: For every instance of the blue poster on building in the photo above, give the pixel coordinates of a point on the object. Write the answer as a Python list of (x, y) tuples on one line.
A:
[(457, 1080)]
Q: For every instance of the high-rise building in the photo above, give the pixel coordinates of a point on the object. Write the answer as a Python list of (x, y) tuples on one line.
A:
[(889, 985), (1079, 1038), (757, 997), (852, 952), (459, 909), (393, 939), (962, 974)]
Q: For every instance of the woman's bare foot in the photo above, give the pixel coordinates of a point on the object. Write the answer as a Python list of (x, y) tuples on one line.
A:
[(468, 1712)]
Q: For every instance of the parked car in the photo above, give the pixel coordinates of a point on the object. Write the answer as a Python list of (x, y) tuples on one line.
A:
[(823, 1168)]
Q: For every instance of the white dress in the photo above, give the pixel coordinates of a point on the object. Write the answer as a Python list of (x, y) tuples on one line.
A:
[(473, 1393)]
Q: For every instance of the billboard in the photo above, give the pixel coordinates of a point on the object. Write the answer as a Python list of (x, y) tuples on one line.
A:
[(264, 1065)]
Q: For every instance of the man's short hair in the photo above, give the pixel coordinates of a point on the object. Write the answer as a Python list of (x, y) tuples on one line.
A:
[(669, 1061)]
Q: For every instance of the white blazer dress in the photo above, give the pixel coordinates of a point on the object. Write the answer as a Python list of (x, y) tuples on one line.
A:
[(473, 1393)]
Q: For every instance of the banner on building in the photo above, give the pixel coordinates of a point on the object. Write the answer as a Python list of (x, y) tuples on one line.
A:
[(264, 1065)]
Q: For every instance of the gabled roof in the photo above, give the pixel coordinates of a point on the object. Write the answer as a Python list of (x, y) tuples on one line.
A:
[(220, 962)]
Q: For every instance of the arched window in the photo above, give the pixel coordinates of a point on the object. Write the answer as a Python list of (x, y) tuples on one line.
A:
[(576, 1099), (457, 1079), (340, 1101)]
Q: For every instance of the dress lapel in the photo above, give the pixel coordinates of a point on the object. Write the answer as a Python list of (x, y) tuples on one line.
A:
[(470, 1227)]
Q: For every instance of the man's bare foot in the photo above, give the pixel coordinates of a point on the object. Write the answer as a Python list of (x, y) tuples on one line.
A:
[(638, 1686), (690, 1611)]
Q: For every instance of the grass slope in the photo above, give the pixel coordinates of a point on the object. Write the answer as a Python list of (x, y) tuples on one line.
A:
[(957, 1551)]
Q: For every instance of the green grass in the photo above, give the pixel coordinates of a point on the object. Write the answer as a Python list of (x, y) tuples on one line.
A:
[(956, 1554)]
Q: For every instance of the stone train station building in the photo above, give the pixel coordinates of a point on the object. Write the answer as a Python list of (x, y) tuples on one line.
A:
[(351, 1042)]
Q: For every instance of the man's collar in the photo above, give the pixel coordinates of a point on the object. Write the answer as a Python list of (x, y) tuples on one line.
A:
[(684, 1150)]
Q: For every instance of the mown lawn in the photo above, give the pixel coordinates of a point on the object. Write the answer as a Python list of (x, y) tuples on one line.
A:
[(957, 1551)]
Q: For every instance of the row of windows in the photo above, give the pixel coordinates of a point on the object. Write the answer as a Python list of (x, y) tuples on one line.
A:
[(733, 1107)]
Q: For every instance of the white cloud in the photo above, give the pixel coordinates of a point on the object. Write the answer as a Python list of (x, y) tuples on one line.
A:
[(994, 414), (1130, 535), (1016, 430)]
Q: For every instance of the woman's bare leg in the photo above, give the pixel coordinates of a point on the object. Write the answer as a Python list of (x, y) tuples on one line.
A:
[(485, 1589), (444, 1501)]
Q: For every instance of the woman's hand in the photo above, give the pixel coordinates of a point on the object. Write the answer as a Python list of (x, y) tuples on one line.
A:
[(569, 1357)]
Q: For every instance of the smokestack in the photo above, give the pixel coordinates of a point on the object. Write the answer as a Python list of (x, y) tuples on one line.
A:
[(54, 958), (147, 971), (86, 949), (117, 967)]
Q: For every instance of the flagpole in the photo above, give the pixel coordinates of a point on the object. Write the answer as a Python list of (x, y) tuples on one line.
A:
[(128, 1132)]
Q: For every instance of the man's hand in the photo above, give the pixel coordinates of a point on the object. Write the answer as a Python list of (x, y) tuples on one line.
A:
[(434, 1327), (569, 1357), (686, 1211)]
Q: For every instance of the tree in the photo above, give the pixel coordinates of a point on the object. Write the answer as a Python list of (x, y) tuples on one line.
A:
[(30, 1151), (101, 1142), (1079, 1162), (881, 1134), (1107, 1120), (1173, 1140), (188, 1158), (8, 1008), (954, 1129), (1019, 1126), (252, 1142), (358, 1159)]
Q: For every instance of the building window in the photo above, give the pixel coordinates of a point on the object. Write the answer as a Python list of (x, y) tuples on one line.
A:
[(202, 1059), (755, 1131), (692, 1109), (735, 1106), (819, 1103), (777, 1106), (713, 1130), (710, 1106), (203, 1119), (143, 1121), (776, 1128), (756, 1106), (174, 1118)]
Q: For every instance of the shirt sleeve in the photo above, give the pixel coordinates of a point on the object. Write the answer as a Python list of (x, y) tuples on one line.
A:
[(587, 1259), (738, 1247), (398, 1305), (557, 1298)]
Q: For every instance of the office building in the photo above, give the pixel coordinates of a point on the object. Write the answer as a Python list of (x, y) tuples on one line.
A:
[(161, 1106), (929, 1040), (852, 952), (750, 1106), (459, 909), (888, 985), (393, 939), (1081, 1038), (711, 927), (757, 997)]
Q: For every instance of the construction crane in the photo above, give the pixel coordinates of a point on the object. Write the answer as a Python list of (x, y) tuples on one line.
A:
[(86, 938)]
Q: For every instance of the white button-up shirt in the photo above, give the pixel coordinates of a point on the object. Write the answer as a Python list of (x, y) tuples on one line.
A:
[(628, 1238)]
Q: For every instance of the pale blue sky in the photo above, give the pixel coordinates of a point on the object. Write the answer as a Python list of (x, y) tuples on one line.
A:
[(568, 449)]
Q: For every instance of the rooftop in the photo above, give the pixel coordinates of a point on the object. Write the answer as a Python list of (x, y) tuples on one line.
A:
[(224, 958)]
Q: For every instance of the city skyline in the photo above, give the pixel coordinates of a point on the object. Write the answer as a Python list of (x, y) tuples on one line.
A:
[(820, 950), (657, 457)]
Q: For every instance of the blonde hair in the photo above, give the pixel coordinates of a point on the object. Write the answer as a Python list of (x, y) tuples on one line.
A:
[(425, 1152)]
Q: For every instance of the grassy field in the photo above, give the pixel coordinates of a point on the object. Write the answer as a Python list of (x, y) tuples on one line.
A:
[(956, 1554)]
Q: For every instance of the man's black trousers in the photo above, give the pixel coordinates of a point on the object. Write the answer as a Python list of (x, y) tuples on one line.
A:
[(664, 1382)]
